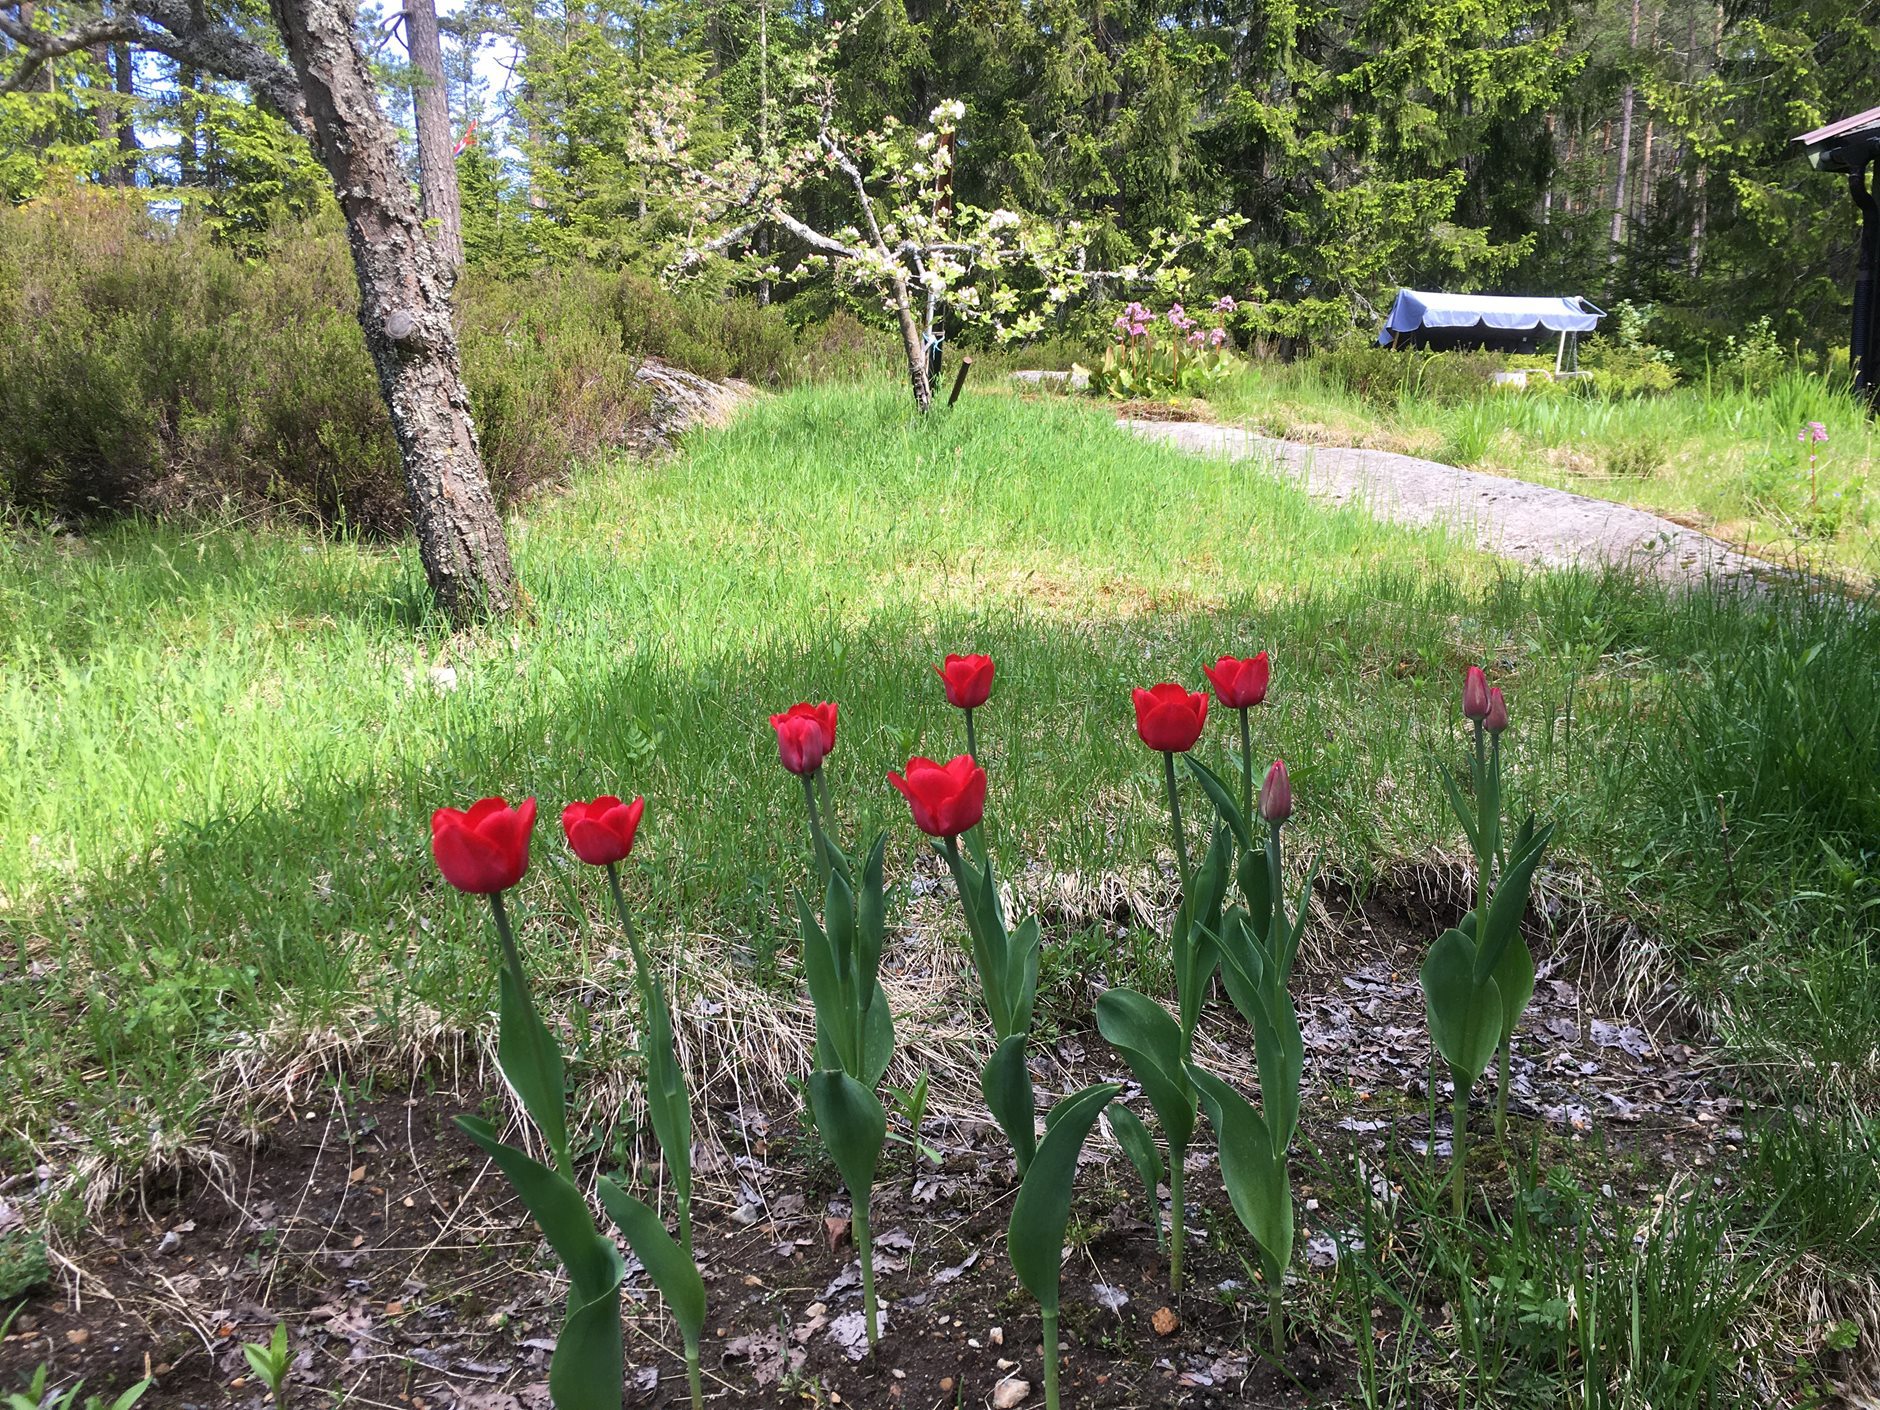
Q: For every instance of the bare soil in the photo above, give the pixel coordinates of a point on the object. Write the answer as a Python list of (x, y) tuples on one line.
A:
[(408, 1275)]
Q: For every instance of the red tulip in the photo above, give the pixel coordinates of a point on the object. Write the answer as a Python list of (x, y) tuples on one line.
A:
[(968, 680), (485, 849), (1169, 717), (1475, 694), (947, 799), (824, 714), (1276, 794), (601, 832), (1497, 719), (1239, 684), (801, 742)]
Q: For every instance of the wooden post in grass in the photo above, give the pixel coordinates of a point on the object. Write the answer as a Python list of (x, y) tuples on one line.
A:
[(966, 365)]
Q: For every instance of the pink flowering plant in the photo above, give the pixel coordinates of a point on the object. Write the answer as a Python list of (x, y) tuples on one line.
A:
[(1171, 353)]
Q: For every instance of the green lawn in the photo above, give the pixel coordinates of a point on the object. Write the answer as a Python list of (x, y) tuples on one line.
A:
[(222, 745), (1718, 459)]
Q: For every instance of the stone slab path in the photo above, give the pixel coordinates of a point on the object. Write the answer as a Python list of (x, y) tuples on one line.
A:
[(1530, 523)]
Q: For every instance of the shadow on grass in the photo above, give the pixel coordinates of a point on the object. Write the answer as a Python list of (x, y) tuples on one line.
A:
[(1644, 722)]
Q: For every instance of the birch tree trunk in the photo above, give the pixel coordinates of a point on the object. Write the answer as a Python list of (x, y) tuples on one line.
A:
[(404, 309), (437, 165)]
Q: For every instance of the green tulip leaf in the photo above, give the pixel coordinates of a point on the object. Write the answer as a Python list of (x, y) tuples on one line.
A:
[(588, 1368), (593, 1263), (1243, 966), (871, 914), (821, 972), (1150, 1042), (1222, 797), (1459, 805), (1514, 982), (667, 1101), (672, 1271), (1006, 1085), (877, 1040), (1255, 1176), (1256, 889), (1035, 1238), (1465, 1017), (1502, 925), (853, 1124), (1022, 974), (1279, 1050), (1133, 1136), (838, 918), (531, 1060)]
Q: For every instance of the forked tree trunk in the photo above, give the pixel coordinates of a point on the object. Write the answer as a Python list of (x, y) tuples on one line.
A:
[(430, 103), (404, 309)]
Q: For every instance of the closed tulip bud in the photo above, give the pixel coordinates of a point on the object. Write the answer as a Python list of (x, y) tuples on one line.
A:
[(1239, 684), (1170, 717), (799, 740), (1475, 694), (485, 849), (601, 832), (1497, 720), (1276, 794), (968, 680)]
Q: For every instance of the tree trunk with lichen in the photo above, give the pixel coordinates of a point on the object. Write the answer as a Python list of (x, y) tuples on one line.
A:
[(404, 308), (430, 106)]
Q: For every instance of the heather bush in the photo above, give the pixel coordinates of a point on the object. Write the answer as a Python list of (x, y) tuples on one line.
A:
[(147, 367)]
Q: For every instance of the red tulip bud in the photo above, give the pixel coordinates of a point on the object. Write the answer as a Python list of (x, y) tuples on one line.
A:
[(800, 741), (485, 849), (1475, 694), (968, 680), (1169, 717), (1276, 794), (946, 799), (601, 832), (1239, 684), (1497, 720)]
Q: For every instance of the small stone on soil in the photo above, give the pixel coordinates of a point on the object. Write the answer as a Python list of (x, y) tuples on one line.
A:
[(1010, 1393)]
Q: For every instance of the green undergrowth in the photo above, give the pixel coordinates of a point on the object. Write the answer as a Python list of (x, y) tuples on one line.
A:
[(222, 742)]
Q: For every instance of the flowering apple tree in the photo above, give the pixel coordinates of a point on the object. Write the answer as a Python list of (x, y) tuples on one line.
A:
[(908, 243)]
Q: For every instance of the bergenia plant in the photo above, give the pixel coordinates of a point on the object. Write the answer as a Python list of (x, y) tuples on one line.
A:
[(948, 801), (842, 965), (485, 852), (602, 833), (1035, 1238), (1156, 1046), (1479, 976), (1259, 943)]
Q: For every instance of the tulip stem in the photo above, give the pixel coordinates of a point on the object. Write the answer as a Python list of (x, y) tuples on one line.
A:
[(1177, 1159), (1458, 1144), (828, 804), (692, 1376), (865, 1247), (507, 938), (1276, 1317), (1246, 767), (1175, 815), (818, 846), (1048, 1333), (972, 739)]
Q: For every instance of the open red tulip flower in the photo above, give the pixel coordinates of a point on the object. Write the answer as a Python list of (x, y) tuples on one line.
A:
[(802, 740), (1169, 717), (1240, 684), (968, 680), (1475, 694), (947, 799), (601, 832), (484, 850)]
